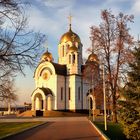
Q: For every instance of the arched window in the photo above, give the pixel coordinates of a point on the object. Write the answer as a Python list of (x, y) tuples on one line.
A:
[(61, 93), (73, 58), (62, 51), (79, 94), (69, 59), (69, 93), (67, 48)]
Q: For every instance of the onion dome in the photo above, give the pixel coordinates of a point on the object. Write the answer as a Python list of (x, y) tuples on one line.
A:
[(93, 58), (73, 49), (68, 36), (47, 56)]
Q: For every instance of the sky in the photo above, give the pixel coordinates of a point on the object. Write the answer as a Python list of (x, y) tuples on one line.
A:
[(50, 17)]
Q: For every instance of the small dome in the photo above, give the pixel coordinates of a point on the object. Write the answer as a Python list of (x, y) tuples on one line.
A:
[(70, 36), (73, 49), (47, 56), (93, 58)]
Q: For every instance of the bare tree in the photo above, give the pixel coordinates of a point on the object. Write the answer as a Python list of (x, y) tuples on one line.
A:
[(113, 43), (19, 46), (8, 92)]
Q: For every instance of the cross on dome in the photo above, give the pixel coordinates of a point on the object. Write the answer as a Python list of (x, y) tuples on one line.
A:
[(46, 45), (70, 19)]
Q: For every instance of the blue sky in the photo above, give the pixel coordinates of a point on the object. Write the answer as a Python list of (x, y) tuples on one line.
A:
[(51, 18)]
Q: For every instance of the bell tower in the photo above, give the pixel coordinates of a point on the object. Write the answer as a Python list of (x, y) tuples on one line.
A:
[(70, 51)]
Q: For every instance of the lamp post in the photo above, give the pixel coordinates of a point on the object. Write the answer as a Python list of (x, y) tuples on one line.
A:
[(104, 93), (93, 101), (89, 107)]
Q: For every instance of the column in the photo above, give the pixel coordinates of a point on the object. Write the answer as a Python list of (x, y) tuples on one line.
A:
[(76, 58), (44, 105), (71, 58)]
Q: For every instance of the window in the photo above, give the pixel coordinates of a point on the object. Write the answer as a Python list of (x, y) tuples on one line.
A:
[(79, 93), (69, 59), (62, 51), (67, 48), (69, 94), (61, 93), (73, 58)]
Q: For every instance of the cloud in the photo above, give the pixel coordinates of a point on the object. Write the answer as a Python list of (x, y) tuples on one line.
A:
[(136, 7), (38, 21), (57, 3)]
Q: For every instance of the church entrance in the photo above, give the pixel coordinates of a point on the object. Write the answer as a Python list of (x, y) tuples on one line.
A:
[(91, 105), (90, 102), (42, 100), (38, 102)]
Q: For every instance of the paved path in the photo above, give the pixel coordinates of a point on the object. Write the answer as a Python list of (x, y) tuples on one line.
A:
[(77, 128)]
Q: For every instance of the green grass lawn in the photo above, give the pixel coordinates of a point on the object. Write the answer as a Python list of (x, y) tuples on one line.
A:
[(7, 128), (114, 131)]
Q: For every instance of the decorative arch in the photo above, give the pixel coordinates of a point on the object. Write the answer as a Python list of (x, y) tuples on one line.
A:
[(46, 68), (36, 91), (42, 99), (42, 66), (90, 101)]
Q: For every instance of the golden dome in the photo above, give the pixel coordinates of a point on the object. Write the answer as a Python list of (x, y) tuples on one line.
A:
[(73, 49), (47, 56), (93, 58), (70, 36)]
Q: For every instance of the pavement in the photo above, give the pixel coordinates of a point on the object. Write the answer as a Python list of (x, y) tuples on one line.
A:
[(59, 128)]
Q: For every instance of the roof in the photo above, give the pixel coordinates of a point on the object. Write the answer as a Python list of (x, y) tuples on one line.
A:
[(73, 49), (93, 57), (68, 36), (46, 91), (47, 56), (60, 69)]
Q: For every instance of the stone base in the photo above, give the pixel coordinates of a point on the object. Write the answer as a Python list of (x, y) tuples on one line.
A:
[(64, 113)]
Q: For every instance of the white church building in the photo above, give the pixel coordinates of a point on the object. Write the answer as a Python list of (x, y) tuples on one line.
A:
[(61, 86)]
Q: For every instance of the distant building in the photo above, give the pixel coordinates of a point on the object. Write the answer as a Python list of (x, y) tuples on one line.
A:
[(62, 86)]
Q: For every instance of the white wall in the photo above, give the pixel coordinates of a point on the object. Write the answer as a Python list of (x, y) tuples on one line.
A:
[(85, 90), (60, 83)]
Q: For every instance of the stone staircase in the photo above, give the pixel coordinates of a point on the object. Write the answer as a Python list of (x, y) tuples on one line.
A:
[(27, 113)]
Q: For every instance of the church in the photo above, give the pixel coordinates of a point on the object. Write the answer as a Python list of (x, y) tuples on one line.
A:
[(62, 85)]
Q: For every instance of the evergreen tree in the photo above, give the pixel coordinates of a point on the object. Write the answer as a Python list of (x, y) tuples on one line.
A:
[(130, 106)]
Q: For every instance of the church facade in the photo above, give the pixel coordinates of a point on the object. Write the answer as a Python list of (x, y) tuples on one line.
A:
[(62, 86)]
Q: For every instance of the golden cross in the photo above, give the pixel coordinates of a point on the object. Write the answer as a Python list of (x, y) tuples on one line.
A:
[(46, 45), (70, 18)]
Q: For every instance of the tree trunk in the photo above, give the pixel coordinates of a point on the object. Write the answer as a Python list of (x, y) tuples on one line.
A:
[(9, 107), (114, 109)]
